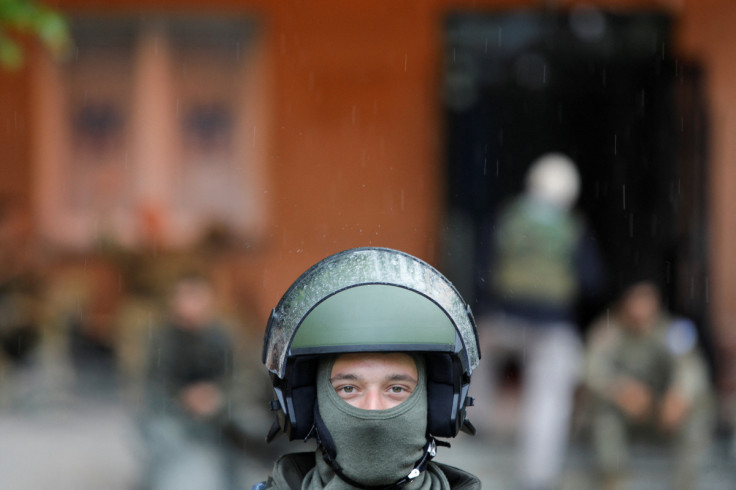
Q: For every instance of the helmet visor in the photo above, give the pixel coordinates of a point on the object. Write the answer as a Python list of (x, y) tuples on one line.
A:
[(378, 316), (370, 299)]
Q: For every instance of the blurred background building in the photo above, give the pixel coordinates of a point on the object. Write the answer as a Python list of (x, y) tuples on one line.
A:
[(249, 139)]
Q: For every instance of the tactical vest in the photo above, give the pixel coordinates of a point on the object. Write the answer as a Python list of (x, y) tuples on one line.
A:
[(535, 248)]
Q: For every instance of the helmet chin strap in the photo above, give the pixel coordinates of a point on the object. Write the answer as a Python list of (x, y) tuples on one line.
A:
[(329, 453)]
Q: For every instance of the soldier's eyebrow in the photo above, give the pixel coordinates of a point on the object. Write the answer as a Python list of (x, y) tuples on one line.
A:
[(344, 377), (391, 377), (401, 377)]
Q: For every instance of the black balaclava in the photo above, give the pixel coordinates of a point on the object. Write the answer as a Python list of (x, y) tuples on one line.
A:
[(374, 448)]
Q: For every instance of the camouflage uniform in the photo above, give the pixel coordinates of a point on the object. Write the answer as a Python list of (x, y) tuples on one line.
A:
[(663, 357)]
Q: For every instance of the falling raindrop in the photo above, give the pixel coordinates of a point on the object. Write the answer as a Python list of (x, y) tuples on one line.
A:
[(707, 289), (631, 225), (623, 194)]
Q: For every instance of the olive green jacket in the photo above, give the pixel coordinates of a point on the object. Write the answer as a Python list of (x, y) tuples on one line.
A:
[(290, 470)]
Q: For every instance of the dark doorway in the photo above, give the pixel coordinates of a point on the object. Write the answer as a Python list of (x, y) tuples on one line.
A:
[(607, 90)]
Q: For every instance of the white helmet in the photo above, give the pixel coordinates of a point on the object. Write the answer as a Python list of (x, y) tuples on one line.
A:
[(553, 178)]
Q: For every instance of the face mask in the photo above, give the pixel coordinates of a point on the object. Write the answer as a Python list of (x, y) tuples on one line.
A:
[(374, 447)]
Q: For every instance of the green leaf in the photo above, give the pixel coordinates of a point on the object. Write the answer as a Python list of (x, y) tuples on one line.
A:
[(26, 16), (52, 29), (11, 55), (17, 14)]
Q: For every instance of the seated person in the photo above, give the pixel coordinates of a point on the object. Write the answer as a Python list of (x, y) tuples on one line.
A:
[(647, 377), (187, 390)]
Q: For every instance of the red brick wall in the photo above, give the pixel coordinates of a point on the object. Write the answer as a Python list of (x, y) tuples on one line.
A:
[(15, 176), (356, 149), (708, 34)]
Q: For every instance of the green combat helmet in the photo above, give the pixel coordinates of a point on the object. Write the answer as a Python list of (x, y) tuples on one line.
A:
[(371, 300)]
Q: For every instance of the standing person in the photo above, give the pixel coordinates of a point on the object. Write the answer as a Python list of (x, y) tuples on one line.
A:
[(370, 352), (189, 374), (541, 259), (648, 378)]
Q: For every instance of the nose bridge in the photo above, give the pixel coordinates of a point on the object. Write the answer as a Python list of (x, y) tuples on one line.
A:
[(373, 399)]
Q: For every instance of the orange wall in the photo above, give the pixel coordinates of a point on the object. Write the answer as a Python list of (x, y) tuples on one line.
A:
[(355, 153), (15, 177), (356, 159), (708, 34), (356, 147)]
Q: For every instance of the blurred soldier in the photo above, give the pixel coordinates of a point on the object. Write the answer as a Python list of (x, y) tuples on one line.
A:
[(541, 260), (370, 352), (22, 374), (19, 285), (647, 376), (189, 374)]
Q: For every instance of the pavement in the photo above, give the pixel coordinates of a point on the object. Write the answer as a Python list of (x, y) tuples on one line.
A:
[(74, 442), (493, 461)]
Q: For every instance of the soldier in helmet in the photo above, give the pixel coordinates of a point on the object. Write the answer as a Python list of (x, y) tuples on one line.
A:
[(370, 352)]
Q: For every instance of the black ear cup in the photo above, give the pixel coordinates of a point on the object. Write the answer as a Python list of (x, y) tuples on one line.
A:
[(300, 397), (446, 395)]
